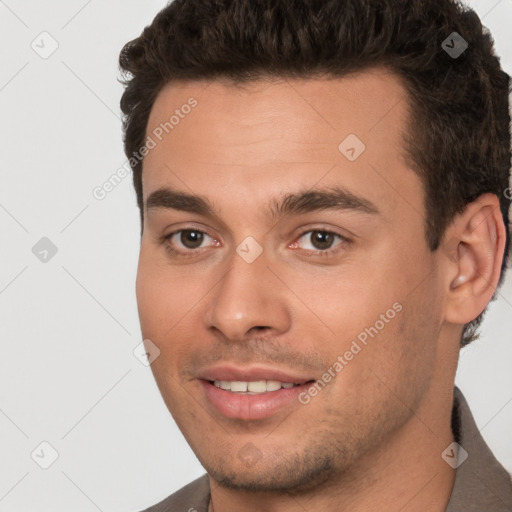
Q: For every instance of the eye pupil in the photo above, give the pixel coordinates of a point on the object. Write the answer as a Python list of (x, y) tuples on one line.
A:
[(191, 239), (322, 239)]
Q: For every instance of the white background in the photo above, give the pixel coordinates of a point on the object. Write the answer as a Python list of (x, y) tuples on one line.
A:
[(68, 326)]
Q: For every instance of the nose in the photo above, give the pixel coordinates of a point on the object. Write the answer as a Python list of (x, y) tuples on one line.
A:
[(249, 298)]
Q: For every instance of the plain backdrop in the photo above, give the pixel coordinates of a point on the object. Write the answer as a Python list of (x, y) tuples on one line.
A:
[(69, 323)]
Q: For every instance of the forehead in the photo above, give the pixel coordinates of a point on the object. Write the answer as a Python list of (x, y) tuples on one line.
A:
[(357, 102), (269, 135)]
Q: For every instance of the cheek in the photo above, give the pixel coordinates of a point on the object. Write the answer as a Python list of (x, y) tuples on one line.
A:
[(164, 295), (151, 301), (371, 316), (162, 305), (169, 301), (346, 300)]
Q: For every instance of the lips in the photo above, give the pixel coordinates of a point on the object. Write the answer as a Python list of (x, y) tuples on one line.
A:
[(246, 405), (249, 407), (232, 373)]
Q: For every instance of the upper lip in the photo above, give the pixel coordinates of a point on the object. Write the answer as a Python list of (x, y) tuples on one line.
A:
[(253, 373)]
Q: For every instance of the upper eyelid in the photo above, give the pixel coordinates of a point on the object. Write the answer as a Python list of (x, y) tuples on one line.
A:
[(335, 233)]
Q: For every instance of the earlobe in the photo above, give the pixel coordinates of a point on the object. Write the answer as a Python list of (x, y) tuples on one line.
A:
[(479, 238)]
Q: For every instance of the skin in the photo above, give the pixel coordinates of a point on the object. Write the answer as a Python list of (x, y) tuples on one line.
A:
[(372, 438)]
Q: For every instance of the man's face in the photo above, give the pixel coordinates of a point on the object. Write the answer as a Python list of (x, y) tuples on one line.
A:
[(353, 284)]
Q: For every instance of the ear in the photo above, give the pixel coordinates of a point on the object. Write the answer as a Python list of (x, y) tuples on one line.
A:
[(474, 243)]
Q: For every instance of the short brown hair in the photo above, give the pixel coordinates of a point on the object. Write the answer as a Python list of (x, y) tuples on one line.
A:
[(458, 135)]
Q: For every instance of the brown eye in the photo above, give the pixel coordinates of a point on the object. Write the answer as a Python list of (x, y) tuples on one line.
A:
[(188, 242), (322, 240), (191, 239)]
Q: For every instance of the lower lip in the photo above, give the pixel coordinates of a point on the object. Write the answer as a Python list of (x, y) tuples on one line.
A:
[(251, 407)]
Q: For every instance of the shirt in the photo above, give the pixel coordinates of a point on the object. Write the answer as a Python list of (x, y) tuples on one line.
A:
[(481, 482)]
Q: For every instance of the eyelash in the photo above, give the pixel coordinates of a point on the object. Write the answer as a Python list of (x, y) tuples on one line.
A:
[(193, 252)]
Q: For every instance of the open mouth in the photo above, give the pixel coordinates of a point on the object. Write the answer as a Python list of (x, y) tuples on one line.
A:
[(255, 387), (252, 400)]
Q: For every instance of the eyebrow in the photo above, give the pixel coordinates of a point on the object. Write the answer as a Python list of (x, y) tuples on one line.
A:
[(305, 201)]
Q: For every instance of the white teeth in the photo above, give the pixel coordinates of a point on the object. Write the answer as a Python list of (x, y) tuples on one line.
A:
[(253, 387), (238, 386), (273, 385), (258, 386)]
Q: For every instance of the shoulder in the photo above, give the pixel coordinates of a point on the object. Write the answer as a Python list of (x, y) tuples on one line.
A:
[(193, 497), (481, 482)]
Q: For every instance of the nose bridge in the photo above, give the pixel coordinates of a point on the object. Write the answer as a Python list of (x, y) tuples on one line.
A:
[(247, 296)]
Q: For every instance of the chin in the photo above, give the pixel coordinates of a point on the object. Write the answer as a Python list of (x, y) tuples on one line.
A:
[(287, 477)]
